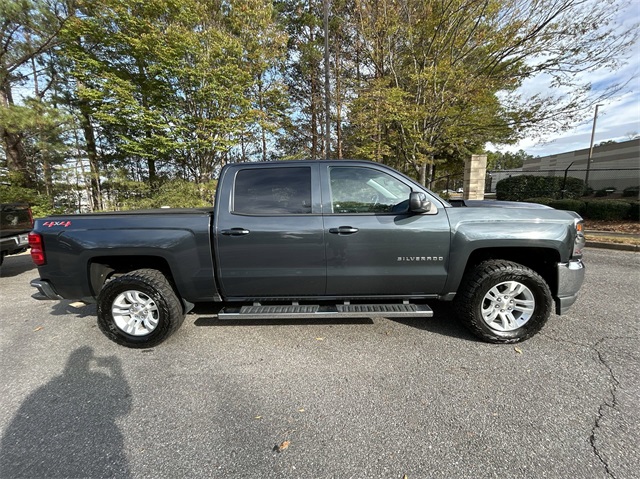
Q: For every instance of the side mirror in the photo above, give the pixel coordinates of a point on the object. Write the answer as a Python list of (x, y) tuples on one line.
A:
[(418, 202)]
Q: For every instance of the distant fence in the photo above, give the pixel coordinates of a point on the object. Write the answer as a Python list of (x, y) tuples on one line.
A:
[(447, 184), (598, 181)]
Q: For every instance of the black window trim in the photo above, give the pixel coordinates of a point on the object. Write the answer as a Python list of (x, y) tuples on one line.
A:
[(390, 213), (269, 167)]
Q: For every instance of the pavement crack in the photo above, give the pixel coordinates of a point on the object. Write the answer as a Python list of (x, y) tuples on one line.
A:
[(608, 403), (564, 340)]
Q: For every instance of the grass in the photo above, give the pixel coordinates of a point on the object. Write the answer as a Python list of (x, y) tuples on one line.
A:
[(633, 241)]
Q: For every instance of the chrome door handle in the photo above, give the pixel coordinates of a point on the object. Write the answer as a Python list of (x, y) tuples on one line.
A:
[(343, 230), (235, 232)]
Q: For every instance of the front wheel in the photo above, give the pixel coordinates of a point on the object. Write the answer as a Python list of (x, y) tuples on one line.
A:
[(139, 309), (503, 302)]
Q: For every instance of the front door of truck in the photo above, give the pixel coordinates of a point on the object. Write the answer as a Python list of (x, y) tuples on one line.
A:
[(375, 246), (269, 234)]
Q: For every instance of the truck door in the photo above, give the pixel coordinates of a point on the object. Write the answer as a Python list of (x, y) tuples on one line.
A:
[(269, 232), (374, 245)]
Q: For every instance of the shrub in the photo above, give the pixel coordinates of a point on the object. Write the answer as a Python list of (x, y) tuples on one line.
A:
[(634, 211), (631, 191), (175, 194), (517, 188), (569, 205), (541, 201), (605, 191), (574, 187), (607, 210)]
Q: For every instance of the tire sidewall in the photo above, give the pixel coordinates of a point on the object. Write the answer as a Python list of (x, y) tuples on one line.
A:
[(105, 317), (542, 309)]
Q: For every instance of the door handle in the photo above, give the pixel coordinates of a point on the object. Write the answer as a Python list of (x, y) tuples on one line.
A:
[(235, 232), (343, 230)]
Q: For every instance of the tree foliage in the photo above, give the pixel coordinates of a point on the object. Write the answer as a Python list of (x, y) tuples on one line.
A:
[(497, 160), (122, 102)]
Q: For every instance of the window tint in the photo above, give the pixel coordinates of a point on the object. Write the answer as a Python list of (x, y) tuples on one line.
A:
[(261, 191), (365, 190)]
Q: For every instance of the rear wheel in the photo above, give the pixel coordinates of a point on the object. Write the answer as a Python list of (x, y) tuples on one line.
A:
[(139, 309), (504, 302)]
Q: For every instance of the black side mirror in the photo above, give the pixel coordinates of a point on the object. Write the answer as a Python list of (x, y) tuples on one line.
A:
[(418, 202)]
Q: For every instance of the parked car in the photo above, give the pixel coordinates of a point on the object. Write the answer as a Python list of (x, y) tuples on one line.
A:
[(15, 223)]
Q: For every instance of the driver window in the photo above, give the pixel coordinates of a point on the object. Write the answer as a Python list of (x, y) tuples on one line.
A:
[(365, 190)]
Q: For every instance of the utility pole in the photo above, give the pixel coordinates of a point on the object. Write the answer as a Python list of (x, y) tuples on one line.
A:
[(593, 134), (327, 87)]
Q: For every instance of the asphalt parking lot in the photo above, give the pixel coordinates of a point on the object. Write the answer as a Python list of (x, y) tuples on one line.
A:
[(366, 398)]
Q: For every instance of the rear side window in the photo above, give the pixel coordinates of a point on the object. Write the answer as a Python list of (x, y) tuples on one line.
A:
[(272, 191)]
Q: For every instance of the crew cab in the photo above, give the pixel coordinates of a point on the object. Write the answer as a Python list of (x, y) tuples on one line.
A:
[(312, 239)]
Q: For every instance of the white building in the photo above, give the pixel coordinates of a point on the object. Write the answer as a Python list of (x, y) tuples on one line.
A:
[(615, 165)]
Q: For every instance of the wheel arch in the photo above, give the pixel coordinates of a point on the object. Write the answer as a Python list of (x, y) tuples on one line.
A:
[(103, 268), (541, 260)]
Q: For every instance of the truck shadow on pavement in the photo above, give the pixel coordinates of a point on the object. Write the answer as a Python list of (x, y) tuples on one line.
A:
[(65, 308), (443, 322), (16, 265), (67, 428)]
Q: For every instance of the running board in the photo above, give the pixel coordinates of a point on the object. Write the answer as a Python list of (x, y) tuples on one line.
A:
[(310, 311)]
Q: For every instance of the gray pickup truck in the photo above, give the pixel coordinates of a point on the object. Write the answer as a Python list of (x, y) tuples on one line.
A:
[(315, 239)]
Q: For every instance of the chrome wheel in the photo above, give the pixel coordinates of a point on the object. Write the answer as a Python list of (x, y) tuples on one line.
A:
[(508, 306), (135, 313)]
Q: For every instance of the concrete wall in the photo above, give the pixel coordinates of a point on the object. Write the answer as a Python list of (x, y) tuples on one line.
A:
[(475, 171), (606, 159), (615, 164)]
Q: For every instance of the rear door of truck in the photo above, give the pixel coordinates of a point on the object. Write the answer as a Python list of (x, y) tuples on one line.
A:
[(269, 239)]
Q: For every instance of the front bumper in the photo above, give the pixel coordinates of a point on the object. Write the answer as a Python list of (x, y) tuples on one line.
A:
[(45, 290), (570, 279)]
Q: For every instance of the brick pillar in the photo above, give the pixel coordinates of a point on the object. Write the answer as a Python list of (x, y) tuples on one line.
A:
[(475, 171)]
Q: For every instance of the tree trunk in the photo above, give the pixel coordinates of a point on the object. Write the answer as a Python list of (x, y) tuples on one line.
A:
[(263, 135), (338, 102), (92, 155), (14, 149), (423, 174)]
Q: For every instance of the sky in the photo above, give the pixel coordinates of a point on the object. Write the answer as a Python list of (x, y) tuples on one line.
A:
[(618, 117)]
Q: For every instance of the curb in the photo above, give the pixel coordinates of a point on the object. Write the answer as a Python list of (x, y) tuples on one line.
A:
[(614, 246), (613, 234)]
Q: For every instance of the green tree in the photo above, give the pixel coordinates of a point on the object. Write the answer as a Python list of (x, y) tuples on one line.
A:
[(497, 160), (441, 76), (176, 85), (304, 78), (29, 29)]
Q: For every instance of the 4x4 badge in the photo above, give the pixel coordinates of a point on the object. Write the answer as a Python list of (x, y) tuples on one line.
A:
[(50, 224)]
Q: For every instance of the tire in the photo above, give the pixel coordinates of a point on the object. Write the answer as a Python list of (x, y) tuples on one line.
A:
[(503, 302), (139, 309)]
